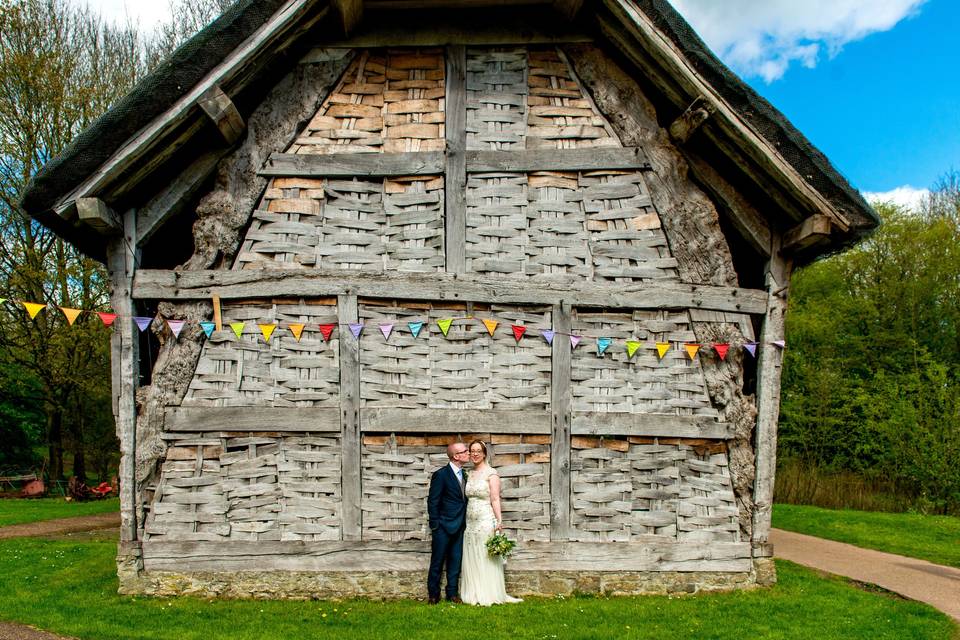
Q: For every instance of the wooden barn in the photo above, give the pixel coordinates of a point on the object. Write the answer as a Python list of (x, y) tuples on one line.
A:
[(563, 227)]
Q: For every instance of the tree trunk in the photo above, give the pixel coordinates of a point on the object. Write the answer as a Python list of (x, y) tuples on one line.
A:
[(55, 444)]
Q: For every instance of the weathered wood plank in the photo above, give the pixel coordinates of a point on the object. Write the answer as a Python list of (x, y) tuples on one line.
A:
[(354, 164), (648, 424), (560, 423), (223, 113), (175, 195), (557, 160), (338, 556), (269, 283), (273, 419), (95, 213), (690, 120), (351, 12), (455, 184), (350, 459), (813, 230), (453, 420)]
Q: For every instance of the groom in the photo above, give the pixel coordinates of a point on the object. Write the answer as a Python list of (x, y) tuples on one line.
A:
[(447, 508)]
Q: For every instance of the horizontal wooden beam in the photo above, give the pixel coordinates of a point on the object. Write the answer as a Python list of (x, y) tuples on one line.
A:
[(158, 284), (95, 213), (811, 231), (354, 164), (649, 424), (557, 160), (247, 419), (391, 420), (223, 113), (409, 555), (690, 120)]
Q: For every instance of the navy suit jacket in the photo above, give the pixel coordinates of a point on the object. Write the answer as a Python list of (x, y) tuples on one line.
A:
[(446, 503)]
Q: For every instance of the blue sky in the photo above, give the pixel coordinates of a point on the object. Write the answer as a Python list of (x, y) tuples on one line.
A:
[(872, 83)]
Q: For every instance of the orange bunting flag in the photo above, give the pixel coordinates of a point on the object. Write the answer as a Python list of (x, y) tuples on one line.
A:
[(445, 325), (107, 318), (491, 326), (33, 308), (518, 331), (632, 346), (326, 330), (71, 314), (267, 330), (297, 330), (722, 348), (237, 328), (691, 350), (662, 348)]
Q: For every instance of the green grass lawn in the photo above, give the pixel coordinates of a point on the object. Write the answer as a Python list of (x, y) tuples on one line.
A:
[(70, 587), (15, 511), (932, 538)]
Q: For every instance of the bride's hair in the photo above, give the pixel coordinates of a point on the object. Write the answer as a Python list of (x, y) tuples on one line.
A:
[(486, 455)]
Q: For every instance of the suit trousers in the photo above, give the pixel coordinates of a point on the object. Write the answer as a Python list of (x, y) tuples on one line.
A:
[(445, 549)]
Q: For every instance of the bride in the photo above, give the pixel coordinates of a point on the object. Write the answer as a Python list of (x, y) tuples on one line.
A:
[(481, 578)]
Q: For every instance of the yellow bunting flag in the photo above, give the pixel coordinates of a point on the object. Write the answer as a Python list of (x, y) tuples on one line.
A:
[(445, 325), (267, 330), (491, 326), (33, 308), (691, 350), (662, 348), (71, 314), (632, 346), (297, 330), (237, 328)]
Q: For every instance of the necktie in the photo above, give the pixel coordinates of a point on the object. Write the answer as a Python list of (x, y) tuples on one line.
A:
[(463, 485)]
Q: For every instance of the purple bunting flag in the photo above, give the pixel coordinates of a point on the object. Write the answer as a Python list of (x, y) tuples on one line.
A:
[(548, 335), (355, 329), (142, 322)]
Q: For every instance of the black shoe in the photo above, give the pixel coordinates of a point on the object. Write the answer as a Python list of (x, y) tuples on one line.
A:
[(433, 600)]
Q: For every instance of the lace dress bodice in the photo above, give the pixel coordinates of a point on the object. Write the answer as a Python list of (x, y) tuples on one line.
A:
[(480, 517)]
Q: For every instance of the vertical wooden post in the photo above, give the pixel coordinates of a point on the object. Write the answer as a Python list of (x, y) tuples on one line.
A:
[(350, 491), (769, 364), (125, 366), (455, 181), (560, 411)]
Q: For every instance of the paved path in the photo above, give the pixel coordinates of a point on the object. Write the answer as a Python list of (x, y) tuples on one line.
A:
[(61, 526), (934, 584)]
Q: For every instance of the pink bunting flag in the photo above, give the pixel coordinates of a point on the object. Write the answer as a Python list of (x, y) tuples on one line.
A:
[(142, 323), (355, 329), (518, 331), (326, 330), (386, 330), (721, 348), (780, 344), (107, 318), (176, 326), (574, 341), (548, 335), (751, 348)]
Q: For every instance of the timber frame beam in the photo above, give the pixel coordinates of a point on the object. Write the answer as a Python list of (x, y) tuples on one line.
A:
[(223, 113), (155, 284), (95, 213)]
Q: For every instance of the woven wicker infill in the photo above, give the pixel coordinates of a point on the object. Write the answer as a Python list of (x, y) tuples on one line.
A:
[(248, 488), (496, 98), (614, 383), (249, 372), (640, 489), (467, 369), (396, 480)]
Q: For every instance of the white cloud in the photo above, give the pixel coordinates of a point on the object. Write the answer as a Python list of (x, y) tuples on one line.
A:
[(146, 14), (905, 196), (764, 37)]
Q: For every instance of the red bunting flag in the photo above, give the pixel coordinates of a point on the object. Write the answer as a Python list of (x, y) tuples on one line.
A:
[(107, 318), (518, 331), (326, 330), (722, 349)]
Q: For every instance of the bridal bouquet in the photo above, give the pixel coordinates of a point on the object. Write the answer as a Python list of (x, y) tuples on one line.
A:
[(500, 545)]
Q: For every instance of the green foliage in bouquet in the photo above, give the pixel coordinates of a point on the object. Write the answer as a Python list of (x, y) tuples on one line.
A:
[(500, 545)]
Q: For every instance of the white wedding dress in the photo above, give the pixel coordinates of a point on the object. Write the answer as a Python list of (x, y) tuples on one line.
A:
[(481, 575)]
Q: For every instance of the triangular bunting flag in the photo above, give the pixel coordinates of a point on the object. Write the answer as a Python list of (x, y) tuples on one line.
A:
[(491, 325), (751, 348), (548, 335), (603, 344), (71, 314), (691, 350), (176, 326), (142, 323), (33, 308), (444, 325), (518, 331), (779, 343), (107, 318), (326, 330), (208, 327), (297, 330), (662, 348), (415, 328), (721, 348), (574, 341), (356, 328), (267, 330), (386, 330), (237, 328), (632, 346)]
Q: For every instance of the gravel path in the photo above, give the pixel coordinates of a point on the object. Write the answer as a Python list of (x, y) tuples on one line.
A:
[(61, 526), (934, 584), (10, 631)]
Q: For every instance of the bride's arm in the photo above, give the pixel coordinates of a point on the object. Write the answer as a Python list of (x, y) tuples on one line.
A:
[(494, 482)]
